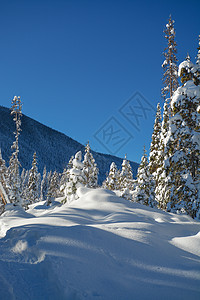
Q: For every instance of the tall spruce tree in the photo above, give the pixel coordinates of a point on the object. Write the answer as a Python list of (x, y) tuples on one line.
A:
[(13, 170), (170, 75), (183, 150)]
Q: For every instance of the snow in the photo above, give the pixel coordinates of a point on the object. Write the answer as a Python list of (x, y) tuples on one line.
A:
[(98, 247)]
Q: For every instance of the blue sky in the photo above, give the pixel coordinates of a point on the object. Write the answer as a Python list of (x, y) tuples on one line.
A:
[(78, 65)]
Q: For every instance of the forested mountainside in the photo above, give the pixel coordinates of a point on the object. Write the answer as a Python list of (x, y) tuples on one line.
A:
[(53, 148)]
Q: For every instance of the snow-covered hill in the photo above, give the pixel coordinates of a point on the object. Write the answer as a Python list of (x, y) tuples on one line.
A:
[(98, 247), (53, 148)]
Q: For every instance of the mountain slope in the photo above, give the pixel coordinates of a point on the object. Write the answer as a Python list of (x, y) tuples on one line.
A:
[(98, 247), (53, 148)]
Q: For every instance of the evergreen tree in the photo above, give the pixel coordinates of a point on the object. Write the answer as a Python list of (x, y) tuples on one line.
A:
[(90, 169), (13, 170), (24, 187), (183, 150), (170, 76), (143, 189), (154, 157), (3, 173), (33, 184), (53, 190), (112, 180), (44, 185), (126, 176), (76, 178), (65, 178), (161, 184)]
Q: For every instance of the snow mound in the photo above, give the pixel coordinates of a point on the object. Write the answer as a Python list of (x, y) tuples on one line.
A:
[(98, 247)]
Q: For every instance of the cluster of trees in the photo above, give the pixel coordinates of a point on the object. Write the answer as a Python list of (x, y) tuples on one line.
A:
[(169, 179)]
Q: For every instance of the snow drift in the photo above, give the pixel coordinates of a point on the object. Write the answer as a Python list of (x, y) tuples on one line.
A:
[(98, 247)]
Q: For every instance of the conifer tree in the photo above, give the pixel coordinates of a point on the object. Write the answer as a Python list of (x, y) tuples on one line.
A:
[(65, 178), (76, 178), (161, 184), (53, 190), (154, 157), (143, 189), (126, 176), (13, 170), (3, 173), (33, 184), (183, 150), (90, 169), (112, 180), (170, 76), (44, 185)]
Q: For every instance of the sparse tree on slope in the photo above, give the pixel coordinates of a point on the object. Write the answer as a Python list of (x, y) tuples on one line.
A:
[(90, 169), (13, 170), (170, 76)]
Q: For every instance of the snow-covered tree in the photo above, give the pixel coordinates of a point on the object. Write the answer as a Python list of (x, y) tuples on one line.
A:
[(13, 170), (154, 156), (170, 76), (44, 185), (33, 184), (142, 193), (3, 173), (112, 180), (183, 146), (126, 176), (76, 178), (90, 169), (65, 177), (161, 185), (53, 190)]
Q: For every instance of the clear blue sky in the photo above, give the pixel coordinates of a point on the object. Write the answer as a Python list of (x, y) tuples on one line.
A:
[(75, 64)]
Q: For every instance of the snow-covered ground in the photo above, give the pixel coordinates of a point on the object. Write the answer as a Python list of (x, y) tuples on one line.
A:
[(98, 247)]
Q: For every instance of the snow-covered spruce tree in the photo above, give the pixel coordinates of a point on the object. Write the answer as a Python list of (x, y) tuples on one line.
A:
[(33, 184), (3, 183), (161, 183), (24, 187), (76, 178), (53, 190), (90, 169), (112, 180), (170, 76), (3, 173), (13, 169), (183, 146), (44, 185), (126, 184), (65, 178), (154, 156), (142, 193)]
